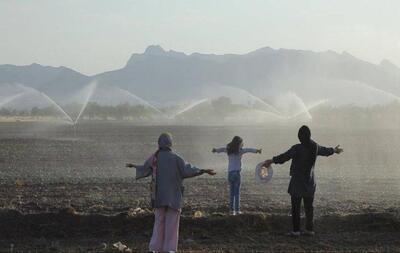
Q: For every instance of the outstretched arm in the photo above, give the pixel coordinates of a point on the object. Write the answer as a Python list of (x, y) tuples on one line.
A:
[(251, 150), (282, 158), (219, 150), (142, 171), (131, 165), (187, 170), (147, 163), (324, 151)]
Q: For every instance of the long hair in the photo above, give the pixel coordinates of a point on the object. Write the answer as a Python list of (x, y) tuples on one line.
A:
[(305, 139), (233, 147)]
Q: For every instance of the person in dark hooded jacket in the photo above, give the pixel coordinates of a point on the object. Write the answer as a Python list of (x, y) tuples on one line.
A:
[(302, 182)]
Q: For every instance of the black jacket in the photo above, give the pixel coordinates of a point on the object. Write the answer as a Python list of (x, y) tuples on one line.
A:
[(302, 182)]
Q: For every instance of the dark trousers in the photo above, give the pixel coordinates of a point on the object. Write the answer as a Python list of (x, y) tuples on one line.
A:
[(296, 210)]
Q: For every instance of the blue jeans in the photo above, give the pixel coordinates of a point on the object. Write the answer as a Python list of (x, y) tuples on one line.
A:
[(234, 187)]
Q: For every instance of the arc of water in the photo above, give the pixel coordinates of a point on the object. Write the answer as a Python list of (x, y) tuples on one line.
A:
[(57, 106), (270, 107), (308, 108), (277, 116), (92, 86), (49, 100), (191, 106), (12, 98), (140, 99), (303, 105), (392, 95), (316, 104)]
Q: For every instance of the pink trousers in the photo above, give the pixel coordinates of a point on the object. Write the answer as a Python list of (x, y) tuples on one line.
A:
[(166, 230)]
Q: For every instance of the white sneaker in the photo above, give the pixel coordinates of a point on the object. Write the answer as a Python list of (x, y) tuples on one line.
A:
[(308, 233), (233, 213), (239, 212), (293, 234)]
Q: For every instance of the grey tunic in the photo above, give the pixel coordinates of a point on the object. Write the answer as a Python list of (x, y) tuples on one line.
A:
[(302, 181), (171, 170)]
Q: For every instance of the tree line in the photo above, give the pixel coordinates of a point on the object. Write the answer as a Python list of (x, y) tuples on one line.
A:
[(349, 115), (92, 111)]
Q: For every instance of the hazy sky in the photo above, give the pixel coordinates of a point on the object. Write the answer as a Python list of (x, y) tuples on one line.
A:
[(92, 36)]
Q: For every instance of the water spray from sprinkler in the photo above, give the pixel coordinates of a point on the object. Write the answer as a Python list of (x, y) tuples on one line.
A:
[(190, 106), (141, 100)]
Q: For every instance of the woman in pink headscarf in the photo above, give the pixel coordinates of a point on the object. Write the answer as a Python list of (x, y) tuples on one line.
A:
[(168, 171)]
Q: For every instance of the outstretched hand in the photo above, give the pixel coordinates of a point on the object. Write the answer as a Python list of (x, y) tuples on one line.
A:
[(214, 150), (268, 163), (259, 151), (338, 150), (208, 171)]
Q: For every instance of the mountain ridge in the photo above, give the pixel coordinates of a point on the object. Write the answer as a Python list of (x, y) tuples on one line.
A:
[(160, 51), (163, 76)]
